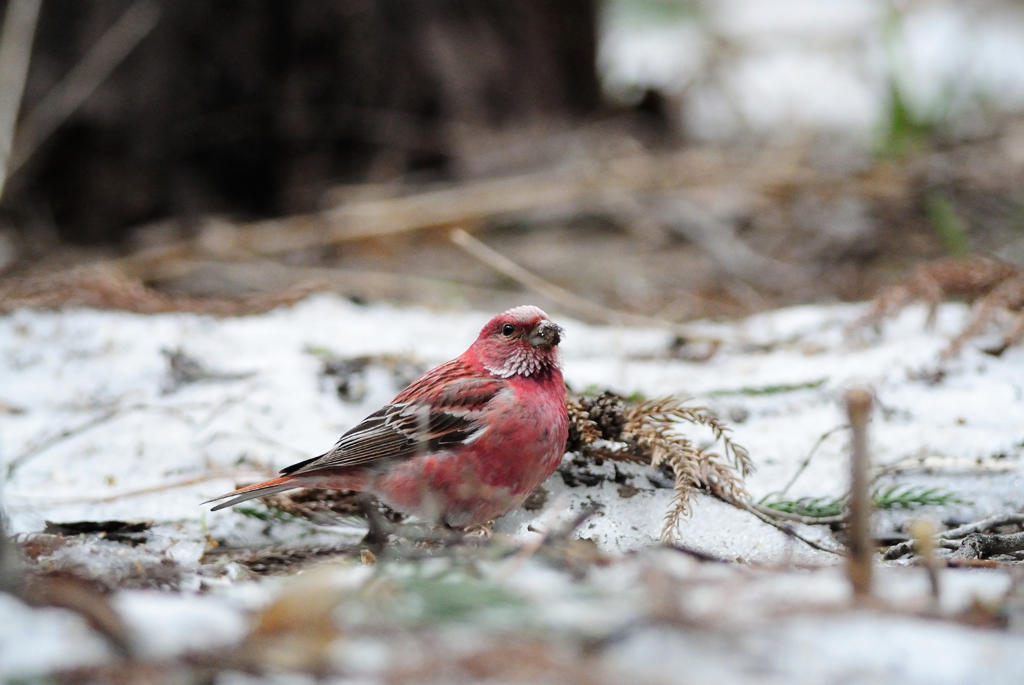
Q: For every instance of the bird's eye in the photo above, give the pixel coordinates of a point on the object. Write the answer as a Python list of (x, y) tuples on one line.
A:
[(508, 329)]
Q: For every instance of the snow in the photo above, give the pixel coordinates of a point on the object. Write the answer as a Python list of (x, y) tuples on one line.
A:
[(185, 623), (778, 378), (40, 640), (803, 64)]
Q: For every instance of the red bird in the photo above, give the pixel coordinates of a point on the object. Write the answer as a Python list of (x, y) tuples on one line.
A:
[(466, 442)]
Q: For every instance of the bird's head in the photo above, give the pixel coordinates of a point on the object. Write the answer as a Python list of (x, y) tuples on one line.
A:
[(520, 342)]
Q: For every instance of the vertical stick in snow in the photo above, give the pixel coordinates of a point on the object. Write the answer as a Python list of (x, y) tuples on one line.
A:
[(858, 526)]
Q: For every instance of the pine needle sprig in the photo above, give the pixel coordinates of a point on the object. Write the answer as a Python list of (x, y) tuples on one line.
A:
[(813, 507), (893, 497), (912, 497)]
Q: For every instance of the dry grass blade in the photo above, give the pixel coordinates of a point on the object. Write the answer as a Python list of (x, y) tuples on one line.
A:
[(101, 286), (82, 81), (571, 301), (15, 50)]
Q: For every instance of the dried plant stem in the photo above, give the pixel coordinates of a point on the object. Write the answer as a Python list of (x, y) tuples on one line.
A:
[(798, 518), (15, 50), (69, 93), (859, 562), (810, 455), (978, 546), (220, 475), (47, 443), (773, 522), (571, 301), (904, 548)]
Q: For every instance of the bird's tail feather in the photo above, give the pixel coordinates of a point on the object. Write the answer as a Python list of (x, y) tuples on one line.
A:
[(267, 487)]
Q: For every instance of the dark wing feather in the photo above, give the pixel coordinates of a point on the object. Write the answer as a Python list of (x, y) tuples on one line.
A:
[(434, 412)]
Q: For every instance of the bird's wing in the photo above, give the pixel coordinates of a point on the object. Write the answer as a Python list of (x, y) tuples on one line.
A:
[(441, 408)]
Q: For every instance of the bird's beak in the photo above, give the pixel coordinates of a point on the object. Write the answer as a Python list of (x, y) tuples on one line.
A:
[(546, 334)]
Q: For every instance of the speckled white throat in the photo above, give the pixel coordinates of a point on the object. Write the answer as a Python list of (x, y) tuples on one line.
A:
[(524, 363)]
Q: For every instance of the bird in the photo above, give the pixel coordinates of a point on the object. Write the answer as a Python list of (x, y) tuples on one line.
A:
[(465, 443)]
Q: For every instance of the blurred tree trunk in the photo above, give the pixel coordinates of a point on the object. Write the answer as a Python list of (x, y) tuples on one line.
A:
[(255, 107)]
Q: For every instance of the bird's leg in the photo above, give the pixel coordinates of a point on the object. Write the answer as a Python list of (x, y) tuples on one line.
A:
[(377, 536)]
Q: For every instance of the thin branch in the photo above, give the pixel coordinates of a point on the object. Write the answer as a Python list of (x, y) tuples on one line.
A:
[(983, 525), (255, 435), (810, 455), (16, 39), (85, 77), (978, 546), (44, 444), (571, 301), (219, 475), (717, 235), (788, 530), (904, 548), (221, 409)]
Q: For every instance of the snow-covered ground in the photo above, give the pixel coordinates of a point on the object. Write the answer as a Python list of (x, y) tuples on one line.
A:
[(93, 428), (751, 66)]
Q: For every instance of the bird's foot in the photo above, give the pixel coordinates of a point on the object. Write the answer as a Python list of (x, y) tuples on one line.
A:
[(480, 530)]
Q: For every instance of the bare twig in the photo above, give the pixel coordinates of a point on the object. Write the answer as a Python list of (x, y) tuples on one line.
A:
[(978, 546), (218, 475), (717, 235), (983, 525), (798, 518), (571, 301), (255, 435), (261, 275), (381, 217), (48, 442), (15, 50), (549, 530), (787, 529), (810, 455), (858, 567), (110, 414), (69, 93), (904, 548)]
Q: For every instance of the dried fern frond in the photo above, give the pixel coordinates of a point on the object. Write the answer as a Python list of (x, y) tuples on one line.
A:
[(670, 410), (648, 432)]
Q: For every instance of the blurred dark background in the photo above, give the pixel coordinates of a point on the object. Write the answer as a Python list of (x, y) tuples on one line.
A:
[(675, 158), (256, 107)]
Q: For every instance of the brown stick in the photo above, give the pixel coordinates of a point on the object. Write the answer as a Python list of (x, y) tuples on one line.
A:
[(571, 301), (859, 562), (904, 548), (774, 523), (978, 546)]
